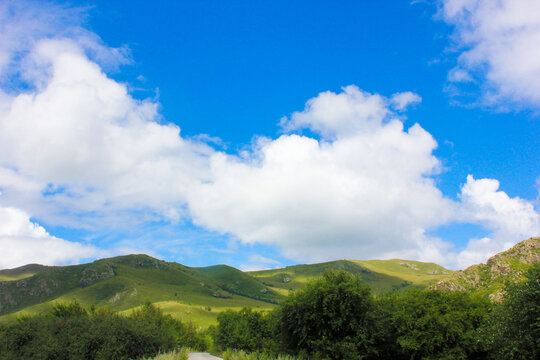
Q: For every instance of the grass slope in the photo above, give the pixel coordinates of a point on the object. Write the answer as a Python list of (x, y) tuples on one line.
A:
[(237, 282), (415, 272), (381, 275), (22, 272), (125, 282)]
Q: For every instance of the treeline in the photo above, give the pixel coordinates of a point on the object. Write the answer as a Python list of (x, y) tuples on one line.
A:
[(68, 331), (334, 317)]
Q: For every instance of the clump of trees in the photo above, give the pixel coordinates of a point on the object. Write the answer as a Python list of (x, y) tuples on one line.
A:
[(69, 331)]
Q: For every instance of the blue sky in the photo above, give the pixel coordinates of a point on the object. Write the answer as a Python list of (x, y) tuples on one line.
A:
[(235, 79)]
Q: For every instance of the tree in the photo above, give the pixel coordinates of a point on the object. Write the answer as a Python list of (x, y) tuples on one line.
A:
[(330, 318), (245, 329), (515, 326), (434, 324)]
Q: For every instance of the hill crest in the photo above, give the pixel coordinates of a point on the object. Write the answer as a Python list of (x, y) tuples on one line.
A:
[(489, 278)]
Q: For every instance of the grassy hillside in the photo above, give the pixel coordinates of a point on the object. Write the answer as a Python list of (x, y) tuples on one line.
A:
[(237, 282), (489, 278), (415, 272), (381, 275), (22, 272), (190, 294), (125, 282)]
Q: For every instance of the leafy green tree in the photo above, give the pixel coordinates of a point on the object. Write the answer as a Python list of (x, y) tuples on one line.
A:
[(427, 324), (515, 326), (245, 329), (329, 319)]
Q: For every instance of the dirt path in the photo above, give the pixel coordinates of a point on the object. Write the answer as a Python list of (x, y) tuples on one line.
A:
[(202, 356)]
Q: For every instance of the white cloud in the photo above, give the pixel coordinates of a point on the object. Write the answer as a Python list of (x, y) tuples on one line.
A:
[(23, 242), (401, 101), (510, 220), (500, 48), (259, 262), (91, 146), (367, 193), (337, 115)]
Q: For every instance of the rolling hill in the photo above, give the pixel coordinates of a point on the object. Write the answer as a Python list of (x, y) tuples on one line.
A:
[(381, 275), (21, 272), (125, 282), (199, 294)]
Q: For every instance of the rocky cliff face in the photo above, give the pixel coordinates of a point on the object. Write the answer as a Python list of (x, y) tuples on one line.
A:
[(489, 278)]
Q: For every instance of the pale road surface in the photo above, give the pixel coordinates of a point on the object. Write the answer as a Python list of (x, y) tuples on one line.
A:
[(202, 356)]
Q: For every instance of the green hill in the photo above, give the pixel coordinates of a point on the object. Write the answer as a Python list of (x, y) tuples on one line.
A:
[(237, 282), (381, 275), (197, 294), (415, 272), (489, 278), (125, 282), (21, 272)]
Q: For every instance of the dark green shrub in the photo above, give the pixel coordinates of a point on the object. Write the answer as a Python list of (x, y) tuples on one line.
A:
[(515, 325), (329, 319)]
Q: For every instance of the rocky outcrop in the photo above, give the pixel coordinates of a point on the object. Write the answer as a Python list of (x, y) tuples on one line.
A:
[(490, 277)]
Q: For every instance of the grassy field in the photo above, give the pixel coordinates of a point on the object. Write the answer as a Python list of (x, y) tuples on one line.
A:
[(202, 316)]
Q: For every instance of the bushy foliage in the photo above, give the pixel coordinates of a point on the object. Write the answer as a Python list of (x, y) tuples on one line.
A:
[(242, 355), (514, 329), (69, 331), (331, 318), (245, 329), (428, 324)]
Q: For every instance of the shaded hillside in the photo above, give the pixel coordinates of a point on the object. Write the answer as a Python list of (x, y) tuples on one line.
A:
[(489, 278), (381, 275), (21, 272), (237, 282)]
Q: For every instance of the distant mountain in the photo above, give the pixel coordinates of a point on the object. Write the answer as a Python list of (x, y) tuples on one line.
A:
[(489, 278)]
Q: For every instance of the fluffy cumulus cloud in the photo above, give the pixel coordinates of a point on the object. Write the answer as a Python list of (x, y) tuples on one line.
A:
[(77, 150), (508, 219), (86, 145), (24, 242), (366, 192), (499, 44)]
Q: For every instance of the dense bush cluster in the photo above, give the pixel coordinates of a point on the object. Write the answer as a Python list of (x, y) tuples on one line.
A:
[(334, 317), (69, 331)]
